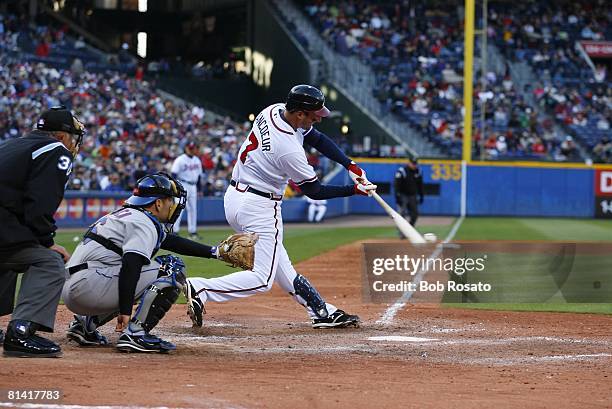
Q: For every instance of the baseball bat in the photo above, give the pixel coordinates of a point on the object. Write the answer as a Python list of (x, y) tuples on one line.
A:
[(406, 228)]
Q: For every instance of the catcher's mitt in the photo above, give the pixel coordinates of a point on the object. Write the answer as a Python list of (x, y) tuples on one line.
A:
[(238, 250)]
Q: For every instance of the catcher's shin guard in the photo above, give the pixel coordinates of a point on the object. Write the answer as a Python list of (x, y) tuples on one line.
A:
[(310, 295), (160, 295)]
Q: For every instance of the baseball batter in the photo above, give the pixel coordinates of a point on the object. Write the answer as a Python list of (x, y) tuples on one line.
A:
[(187, 168), (115, 265), (271, 155)]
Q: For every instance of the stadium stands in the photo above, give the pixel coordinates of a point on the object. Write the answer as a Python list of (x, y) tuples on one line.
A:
[(417, 52), (132, 127), (546, 37)]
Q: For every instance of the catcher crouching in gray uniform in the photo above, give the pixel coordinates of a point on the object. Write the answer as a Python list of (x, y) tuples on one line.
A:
[(115, 265)]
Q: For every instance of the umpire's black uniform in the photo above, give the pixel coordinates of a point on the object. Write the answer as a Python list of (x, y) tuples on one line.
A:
[(33, 173), (408, 184)]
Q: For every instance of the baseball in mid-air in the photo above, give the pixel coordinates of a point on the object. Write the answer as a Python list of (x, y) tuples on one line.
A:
[(430, 237)]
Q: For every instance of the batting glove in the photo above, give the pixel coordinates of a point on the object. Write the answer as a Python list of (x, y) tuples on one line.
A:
[(357, 174), (365, 190)]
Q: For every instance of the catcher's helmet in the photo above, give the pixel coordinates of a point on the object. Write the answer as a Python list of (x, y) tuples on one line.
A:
[(159, 185), (306, 98)]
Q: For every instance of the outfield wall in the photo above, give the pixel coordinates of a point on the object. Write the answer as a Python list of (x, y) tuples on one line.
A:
[(493, 189), (82, 209), (505, 188)]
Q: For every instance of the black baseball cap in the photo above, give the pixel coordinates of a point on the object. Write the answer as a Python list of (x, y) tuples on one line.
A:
[(60, 119)]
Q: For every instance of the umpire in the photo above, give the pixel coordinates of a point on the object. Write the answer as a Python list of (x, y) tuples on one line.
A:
[(34, 170), (408, 184)]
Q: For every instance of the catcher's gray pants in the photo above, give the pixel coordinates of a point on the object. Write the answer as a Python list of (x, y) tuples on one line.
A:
[(44, 275), (95, 291)]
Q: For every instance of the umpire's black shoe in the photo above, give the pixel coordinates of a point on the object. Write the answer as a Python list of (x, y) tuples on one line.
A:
[(20, 341), (195, 307), (144, 343), (77, 331), (338, 319)]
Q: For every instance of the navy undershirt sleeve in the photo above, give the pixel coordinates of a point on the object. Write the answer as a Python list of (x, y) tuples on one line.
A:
[(129, 274), (326, 146), (186, 247), (315, 190)]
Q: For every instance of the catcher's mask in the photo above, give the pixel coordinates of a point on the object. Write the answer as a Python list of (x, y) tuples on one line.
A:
[(159, 185)]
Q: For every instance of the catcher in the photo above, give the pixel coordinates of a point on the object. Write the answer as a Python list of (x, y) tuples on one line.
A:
[(115, 265)]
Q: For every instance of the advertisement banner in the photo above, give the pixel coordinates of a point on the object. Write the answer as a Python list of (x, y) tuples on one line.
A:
[(62, 210), (603, 193), (75, 208), (603, 182), (603, 207), (598, 49), (94, 208)]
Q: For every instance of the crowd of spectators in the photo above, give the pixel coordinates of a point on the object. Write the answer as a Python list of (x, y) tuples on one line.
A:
[(416, 51), (131, 128), (52, 45), (548, 37)]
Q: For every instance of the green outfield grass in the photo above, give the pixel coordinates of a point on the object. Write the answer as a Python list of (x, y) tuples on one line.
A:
[(520, 229), (500, 228), (599, 308), (303, 242)]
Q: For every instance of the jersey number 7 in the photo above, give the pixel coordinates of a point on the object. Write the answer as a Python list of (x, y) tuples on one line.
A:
[(253, 144)]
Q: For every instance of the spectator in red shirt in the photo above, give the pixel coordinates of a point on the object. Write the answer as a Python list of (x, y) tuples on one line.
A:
[(42, 50)]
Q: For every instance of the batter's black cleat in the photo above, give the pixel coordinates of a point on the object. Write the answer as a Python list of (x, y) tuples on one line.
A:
[(338, 319), (144, 343), (77, 332), (21, 342), (195, 307)]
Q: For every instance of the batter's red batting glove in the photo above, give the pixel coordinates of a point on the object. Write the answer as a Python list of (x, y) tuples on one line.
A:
[(357, 174), (365, 190)]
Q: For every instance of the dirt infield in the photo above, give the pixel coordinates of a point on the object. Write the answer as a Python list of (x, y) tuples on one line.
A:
[(262, 353)]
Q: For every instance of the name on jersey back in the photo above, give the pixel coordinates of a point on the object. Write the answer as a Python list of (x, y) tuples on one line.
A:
[(264, 132)]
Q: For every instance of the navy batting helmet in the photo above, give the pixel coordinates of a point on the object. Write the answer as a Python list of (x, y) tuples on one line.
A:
[(306, 98), (159, 185)]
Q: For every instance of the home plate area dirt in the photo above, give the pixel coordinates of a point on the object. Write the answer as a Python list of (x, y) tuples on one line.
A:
[(261, 352)]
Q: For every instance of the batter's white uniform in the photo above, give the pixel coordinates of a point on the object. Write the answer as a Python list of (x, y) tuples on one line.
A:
[(270, 156), (187, 170)]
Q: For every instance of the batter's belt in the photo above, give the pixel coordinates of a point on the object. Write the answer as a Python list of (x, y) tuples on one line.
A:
[(250, 189)]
